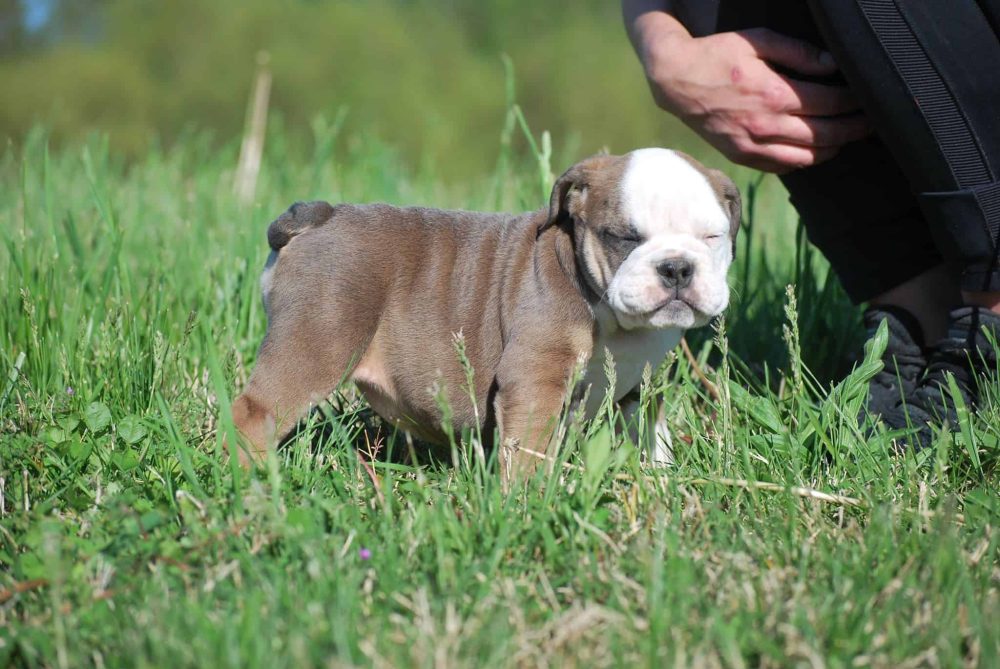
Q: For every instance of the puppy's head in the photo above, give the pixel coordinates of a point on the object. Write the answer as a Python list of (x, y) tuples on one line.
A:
[(654, 233)]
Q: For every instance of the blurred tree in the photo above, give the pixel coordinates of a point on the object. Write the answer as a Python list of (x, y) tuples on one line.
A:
[(14, 36), (35, 24), (75, 19), (491, 25), (424, 75)]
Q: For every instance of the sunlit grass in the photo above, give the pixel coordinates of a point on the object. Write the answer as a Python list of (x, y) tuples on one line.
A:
[(784, 535)]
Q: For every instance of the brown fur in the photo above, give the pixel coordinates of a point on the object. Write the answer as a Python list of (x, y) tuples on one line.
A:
[(347, 301)]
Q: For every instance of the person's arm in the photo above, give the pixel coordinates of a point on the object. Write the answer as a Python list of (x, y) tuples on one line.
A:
[(723, 87)]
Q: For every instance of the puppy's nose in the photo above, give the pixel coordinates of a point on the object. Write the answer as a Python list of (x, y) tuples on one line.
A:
[(676, 272)]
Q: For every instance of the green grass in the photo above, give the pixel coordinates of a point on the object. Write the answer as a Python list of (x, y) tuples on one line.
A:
[(782, 537)]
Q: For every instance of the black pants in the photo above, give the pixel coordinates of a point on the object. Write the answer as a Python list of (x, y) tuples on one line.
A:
[(926, 188)]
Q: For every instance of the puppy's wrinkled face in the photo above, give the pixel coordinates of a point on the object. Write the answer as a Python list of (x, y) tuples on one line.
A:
[(654, 233)]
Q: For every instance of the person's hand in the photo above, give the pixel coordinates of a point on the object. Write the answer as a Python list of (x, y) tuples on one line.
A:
[(725, 88)]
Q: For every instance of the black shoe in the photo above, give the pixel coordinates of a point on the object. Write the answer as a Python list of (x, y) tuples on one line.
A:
[(903, 360), (967, 355)]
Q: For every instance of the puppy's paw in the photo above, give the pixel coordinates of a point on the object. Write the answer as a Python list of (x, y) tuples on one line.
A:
[(662, 453)]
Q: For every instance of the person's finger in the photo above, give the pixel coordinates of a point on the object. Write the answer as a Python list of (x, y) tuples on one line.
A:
[(810, 131), (807, 98), (782, 158), (796, 157), (795, 54)]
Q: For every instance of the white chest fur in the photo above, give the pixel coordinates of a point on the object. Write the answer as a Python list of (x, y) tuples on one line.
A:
[(631, 351)]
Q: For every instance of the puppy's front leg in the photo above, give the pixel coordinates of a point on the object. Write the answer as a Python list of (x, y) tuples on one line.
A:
[(532, 382), (527, 413), (657, 446)]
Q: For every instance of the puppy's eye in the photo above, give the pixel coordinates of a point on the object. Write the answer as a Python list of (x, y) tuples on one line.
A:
[(622, 238), (713, 238)]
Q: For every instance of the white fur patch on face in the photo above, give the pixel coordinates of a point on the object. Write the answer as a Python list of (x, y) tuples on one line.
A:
[(679, 217)]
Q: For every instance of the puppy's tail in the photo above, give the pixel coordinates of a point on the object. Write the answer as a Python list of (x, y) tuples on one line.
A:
[(300, 217)]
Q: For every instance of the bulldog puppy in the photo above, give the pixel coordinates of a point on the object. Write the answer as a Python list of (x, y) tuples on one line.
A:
[(631, 251)]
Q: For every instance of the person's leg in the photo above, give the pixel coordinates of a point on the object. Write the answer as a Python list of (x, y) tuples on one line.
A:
[(987, 299), (929, 297), (991, 8), (924, 73), (860, 211), (858, 208), (934, 105)]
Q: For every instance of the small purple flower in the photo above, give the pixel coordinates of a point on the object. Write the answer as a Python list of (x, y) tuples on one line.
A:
[(365, 554), (70, 391)]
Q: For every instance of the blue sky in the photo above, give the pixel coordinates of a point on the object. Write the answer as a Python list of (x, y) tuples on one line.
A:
[(38, 12)]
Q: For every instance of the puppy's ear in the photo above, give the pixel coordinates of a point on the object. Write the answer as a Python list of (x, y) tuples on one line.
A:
[(731, 202), (569, 194)]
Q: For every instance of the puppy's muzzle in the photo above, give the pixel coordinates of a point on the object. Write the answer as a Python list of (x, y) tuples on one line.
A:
[(676, 273)]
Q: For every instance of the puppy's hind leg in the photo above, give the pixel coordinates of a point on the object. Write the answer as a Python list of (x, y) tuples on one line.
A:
[(287, 381)]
